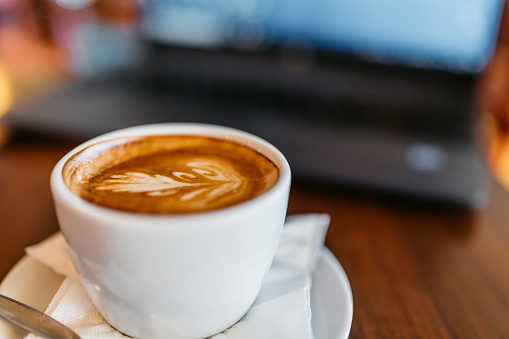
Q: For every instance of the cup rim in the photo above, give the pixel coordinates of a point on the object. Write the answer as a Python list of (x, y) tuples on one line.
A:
[(60, 189)]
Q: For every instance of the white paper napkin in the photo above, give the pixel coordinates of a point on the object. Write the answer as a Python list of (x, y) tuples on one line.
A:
[(282, 309)]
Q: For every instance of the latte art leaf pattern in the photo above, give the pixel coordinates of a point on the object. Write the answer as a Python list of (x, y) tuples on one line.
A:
[(204, 179)]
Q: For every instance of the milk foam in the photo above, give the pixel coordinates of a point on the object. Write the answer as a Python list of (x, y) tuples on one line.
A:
[(169, 174), (204, 181)]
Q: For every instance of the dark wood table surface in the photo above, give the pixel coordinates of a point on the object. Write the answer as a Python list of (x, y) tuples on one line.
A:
[(417, 270)]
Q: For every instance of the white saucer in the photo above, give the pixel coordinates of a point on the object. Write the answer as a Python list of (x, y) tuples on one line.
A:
[(331, 297)]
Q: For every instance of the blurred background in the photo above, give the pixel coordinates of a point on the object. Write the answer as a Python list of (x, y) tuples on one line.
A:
[(390, 95)]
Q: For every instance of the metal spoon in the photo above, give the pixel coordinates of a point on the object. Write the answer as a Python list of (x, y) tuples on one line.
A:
[(33, 321)]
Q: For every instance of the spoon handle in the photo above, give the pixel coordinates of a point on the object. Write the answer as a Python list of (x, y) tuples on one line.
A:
[(32, 320)]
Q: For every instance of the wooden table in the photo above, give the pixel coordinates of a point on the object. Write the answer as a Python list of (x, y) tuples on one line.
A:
[(416, 269)]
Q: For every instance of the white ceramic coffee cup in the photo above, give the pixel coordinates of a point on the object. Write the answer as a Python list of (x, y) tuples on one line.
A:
[(174, 276)]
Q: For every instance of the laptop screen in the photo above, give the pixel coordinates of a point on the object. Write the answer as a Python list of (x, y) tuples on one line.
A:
[(452, 35)]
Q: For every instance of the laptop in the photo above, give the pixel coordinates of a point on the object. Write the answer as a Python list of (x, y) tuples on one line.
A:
[(366, 93)]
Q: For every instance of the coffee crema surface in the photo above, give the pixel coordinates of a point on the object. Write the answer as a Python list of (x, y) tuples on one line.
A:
[(169, 174)]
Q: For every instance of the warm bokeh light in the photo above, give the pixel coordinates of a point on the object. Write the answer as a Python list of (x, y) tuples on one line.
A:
[(494, 122), (496, 142), (30, 66), (6, 92)]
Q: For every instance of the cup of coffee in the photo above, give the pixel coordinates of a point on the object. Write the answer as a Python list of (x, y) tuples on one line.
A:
[(172, 227)]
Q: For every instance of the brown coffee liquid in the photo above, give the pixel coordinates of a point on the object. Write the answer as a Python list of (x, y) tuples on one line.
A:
[(169, 174)]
